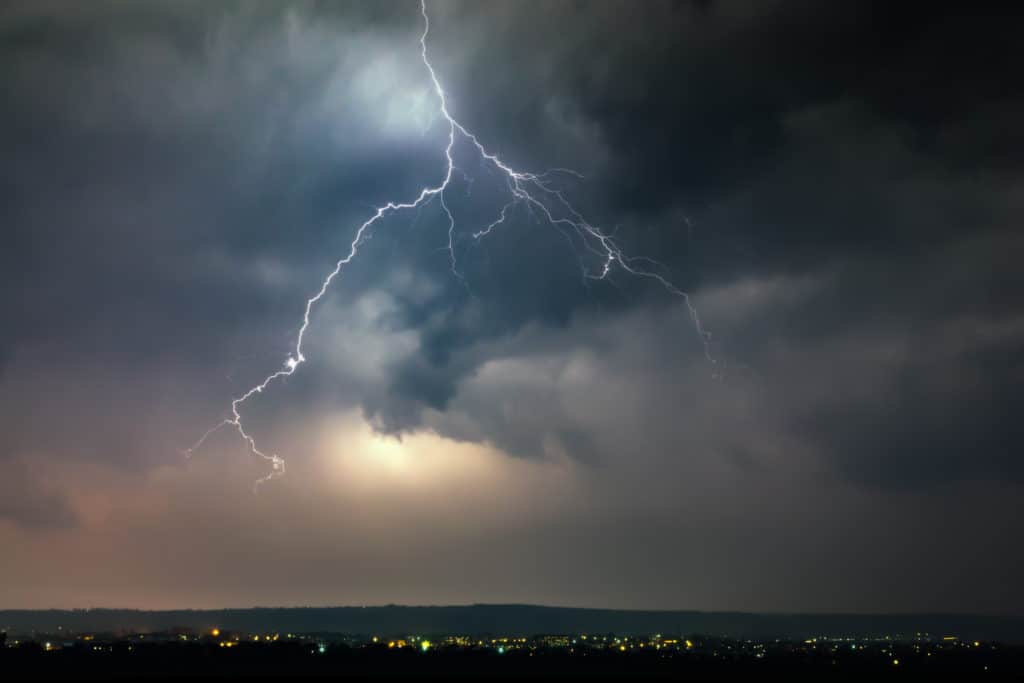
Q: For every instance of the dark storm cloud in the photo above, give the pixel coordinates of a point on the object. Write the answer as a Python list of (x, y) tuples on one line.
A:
[(796, 134), (807, 138), (727, 76), (839, 185)]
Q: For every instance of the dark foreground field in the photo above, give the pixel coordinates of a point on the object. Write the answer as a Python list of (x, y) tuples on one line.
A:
[(280, 661)]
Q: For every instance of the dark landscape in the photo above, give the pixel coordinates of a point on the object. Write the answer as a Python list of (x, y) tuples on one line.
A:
[(502, 641), (512, 620)]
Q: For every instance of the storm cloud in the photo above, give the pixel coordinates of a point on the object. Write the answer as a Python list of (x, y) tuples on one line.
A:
[(839, 186)]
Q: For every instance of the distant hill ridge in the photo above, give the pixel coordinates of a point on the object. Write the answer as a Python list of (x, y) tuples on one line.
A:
[(513, 620)]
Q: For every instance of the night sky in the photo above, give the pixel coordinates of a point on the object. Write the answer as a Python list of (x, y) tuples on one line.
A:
[(839, 185)]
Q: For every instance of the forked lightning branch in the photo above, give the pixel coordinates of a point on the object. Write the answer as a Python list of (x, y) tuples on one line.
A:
[(536, 192)]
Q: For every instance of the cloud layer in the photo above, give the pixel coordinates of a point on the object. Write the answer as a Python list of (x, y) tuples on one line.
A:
[(836, 186)]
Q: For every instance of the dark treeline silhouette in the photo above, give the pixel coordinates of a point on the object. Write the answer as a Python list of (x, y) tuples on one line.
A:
[(512, 620)]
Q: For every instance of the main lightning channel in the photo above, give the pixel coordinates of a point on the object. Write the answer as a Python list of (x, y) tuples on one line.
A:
[(532, 190)]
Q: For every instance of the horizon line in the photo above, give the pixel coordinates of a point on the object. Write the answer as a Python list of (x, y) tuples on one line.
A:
[(767, 613)]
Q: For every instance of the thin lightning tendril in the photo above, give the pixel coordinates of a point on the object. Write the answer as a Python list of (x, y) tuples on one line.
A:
[(530, 190)]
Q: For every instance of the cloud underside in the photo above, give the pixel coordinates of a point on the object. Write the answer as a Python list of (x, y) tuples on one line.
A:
[(179, 179)]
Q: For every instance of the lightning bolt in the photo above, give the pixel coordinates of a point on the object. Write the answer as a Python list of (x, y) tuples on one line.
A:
[(534, 191)]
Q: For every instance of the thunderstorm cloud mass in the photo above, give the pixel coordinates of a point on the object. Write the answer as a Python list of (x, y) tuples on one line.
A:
[(677, 304)]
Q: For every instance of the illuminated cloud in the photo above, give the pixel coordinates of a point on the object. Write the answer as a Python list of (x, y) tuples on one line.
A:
[(177, 181)]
